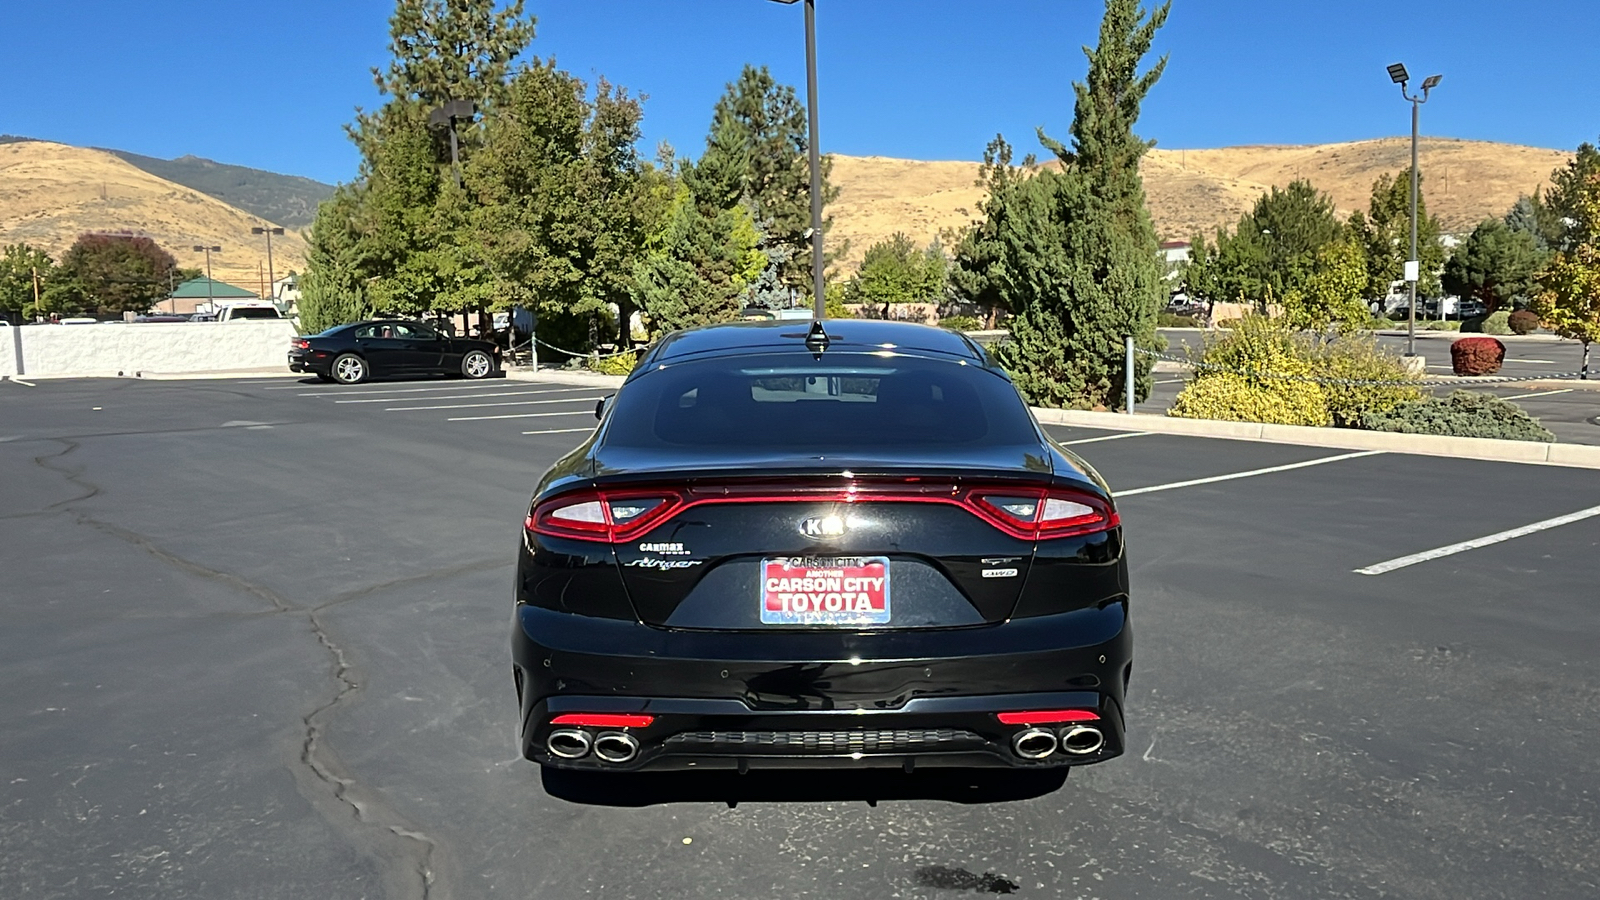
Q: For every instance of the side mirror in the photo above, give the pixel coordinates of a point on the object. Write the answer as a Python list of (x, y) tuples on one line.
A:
[(600, 407)]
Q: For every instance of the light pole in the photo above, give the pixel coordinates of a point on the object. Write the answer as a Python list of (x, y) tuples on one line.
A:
[(447, 115), (210, 300), (814, 158), (272, 284), (1397, 74)]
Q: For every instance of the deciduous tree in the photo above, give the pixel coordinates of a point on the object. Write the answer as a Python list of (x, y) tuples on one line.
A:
[(1569, 297), (109, 274), (897, 271), (24, 271), (1385, 235)]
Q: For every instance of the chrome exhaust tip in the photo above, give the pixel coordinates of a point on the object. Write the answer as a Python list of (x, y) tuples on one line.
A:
[(1082, 740), (1035, 743), (616, 746), (568, 743)]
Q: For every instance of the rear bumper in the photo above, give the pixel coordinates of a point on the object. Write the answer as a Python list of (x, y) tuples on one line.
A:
[(740, 700), (317, 362)]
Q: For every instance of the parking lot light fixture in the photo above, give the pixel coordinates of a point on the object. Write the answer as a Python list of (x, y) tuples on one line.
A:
[(1397, 73), (272, 284), (210, 300), (814, 159)]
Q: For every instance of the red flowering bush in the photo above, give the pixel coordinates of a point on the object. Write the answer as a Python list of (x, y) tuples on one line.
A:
[(1477, 356)]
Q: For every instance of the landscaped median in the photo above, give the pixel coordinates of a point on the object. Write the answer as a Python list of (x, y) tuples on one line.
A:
[(1556, 454)]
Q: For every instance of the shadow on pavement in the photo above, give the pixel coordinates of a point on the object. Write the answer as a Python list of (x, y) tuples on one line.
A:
[(789, 786)]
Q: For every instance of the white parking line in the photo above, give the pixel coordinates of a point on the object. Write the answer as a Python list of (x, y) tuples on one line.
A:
[(1215, 478), (500, 403), (1538, 394), (1173, 381), (15, 380), (1475, 543), (466, 396), (581, 412), (557, 430), (1109, 437), (361, 391)]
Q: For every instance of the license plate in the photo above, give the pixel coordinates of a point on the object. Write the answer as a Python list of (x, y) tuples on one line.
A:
[(825, 591)]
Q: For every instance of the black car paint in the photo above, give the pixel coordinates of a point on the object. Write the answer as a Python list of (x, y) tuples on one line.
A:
[(593, 634), (385, 357)]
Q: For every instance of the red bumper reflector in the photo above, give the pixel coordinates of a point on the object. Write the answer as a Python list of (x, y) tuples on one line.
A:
[(603, 720), (1047, 716)]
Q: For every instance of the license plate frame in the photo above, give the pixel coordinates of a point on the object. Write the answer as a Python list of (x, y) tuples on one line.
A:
[(859, 586)]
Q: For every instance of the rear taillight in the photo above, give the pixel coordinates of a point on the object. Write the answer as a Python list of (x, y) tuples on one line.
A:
[(1043, 514), (301, 344), (1027, 513), (603, 515)]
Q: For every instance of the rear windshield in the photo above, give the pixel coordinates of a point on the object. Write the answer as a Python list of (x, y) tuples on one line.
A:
[(254, 312), (842, 402)]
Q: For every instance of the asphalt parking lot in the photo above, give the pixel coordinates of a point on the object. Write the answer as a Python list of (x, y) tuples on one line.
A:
[(256, 645)]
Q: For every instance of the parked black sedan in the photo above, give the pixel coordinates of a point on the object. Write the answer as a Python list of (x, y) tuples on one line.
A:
[(855, 548), (350, 354)]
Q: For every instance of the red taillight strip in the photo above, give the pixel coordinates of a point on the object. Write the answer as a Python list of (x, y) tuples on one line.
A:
[(968, 498), (603, 720), (1047, 716)]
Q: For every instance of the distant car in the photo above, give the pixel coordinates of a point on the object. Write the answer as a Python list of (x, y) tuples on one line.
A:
[(162, 317), (1471, 309), (351, 354), (242, 311)]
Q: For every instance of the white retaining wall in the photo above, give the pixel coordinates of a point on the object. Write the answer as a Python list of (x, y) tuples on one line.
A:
[(150, 348)]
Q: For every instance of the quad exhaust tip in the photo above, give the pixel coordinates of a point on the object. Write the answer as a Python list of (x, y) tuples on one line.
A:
[(1035, 743), (1082, 740), (569, 743), (616, 746)]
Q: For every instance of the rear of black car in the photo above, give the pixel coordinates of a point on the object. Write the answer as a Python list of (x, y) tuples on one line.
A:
[(770, 556)]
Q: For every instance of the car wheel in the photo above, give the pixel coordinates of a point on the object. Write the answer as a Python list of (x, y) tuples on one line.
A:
[(349, 368), (477, 364)]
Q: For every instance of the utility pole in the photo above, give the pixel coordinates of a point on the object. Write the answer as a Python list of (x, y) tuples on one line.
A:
[(1397, 74)]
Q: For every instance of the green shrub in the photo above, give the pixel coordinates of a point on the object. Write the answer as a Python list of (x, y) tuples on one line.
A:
[(1462, 414), (1523, 322), (1358, 357), (1228, 323), (614, 365), (1446, 325), (1173, 320), (1494, 323), (1235, 398), (1379, 323), (960, 323)]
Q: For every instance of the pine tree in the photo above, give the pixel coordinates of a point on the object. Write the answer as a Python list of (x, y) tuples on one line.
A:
[(1080, 257), (759, 126), (1496, 265)]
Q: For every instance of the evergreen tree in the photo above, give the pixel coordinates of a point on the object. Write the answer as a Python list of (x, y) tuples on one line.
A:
[(1566, 197), (759, 127), (333, 289), (1080, 260), (1497, 264), (1531, 216), (1385, 235), (978, 249)]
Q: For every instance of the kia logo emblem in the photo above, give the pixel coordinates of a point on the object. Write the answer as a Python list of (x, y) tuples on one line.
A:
[(822, 526)]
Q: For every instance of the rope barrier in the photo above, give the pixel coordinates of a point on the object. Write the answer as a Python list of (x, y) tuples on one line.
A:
[(543, 343), (1346, 382)]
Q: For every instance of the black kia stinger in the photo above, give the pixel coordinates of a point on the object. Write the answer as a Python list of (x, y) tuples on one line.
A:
[(350, 354), (784, 546)]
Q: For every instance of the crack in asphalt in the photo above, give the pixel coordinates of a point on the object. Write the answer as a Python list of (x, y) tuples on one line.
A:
[(366, 807)]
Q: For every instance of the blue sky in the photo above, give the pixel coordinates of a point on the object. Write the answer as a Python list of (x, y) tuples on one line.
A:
[(269, 84)]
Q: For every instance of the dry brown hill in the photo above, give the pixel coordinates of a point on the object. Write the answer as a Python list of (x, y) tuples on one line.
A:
[(1194, 190), (51, 193)]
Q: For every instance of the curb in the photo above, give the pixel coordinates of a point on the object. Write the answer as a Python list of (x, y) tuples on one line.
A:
[(1579, 456), (565, 376)]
